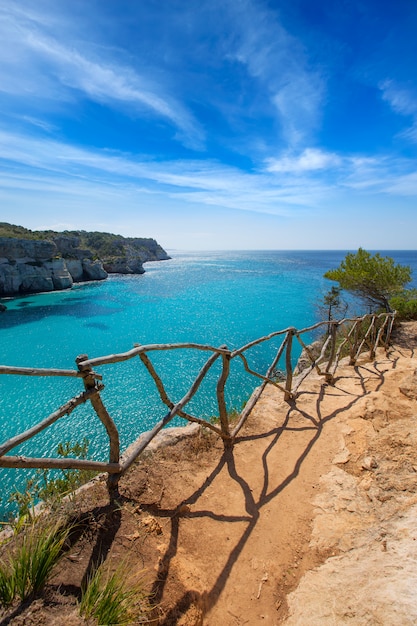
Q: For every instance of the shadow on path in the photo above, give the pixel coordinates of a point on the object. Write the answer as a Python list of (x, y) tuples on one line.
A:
[(316, 422)]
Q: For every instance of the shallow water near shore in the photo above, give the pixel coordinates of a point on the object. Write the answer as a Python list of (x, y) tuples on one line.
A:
[(209, 298)]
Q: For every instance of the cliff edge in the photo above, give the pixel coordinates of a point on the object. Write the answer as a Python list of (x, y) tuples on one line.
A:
[(37, 261)]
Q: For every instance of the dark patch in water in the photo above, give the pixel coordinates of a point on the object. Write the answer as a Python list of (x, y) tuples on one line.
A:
[(83, 308), (98, 325)]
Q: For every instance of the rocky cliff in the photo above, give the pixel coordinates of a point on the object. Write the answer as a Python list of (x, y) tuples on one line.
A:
[(47, 261)]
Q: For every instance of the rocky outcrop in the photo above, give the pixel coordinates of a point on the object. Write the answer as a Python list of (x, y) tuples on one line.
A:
[(150, 249), (119, 255), (124, 265), (55, 261), (34, 266), (76, 269), (93, 270), (134, 252)]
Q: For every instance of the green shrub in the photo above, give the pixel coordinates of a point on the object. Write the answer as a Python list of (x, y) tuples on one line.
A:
[(7, 585), (28, 567), (111, 600), (405, 304), (375, 279)]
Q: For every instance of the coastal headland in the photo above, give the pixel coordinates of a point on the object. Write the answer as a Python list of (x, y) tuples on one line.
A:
[(39, 261)]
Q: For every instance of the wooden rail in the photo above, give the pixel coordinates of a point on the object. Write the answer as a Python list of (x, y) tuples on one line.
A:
[(347, 337)]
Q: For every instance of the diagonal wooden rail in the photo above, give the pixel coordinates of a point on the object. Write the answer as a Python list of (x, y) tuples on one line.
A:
[(340, 338)]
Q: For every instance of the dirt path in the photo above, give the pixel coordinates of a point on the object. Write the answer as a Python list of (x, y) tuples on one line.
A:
[(225, 536), (244, 541)]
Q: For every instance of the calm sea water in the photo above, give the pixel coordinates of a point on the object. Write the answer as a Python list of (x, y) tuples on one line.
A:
[(212, 298)]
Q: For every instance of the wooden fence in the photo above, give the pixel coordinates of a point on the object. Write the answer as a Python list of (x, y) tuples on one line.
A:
[(347, 337)]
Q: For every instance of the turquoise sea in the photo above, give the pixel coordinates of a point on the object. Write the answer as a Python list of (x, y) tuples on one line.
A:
[(211, 298)]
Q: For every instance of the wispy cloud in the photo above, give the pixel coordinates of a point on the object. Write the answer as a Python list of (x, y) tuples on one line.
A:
[(404, 185), (102, 101), (207, 182), (266, 75), (300, 183), (400, 99), (46, 68), (310, 159), (404, 102), (279, 62)]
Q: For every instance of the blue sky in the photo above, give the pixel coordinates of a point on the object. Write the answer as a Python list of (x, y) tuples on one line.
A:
[(208, 124)]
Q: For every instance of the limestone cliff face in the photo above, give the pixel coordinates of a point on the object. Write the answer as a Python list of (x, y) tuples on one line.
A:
[(35, 265), (133, 253), (119, 255)]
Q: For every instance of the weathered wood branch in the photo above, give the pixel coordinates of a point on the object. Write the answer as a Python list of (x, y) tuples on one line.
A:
[(158, 382), (384, 325), (260, 376), (389, 331), (221, 383), (328, 374), (65, 409), (196, 384), (341, 347), (283, 332), (125, 356), (288, 366), (117, 465), (364, 340), (267, 378), (258, 392), (165, 399), (313, 365), (353, 348), (314, 361), (138, 447), (23, 462), (201, 421), (100, 409), (256, 342), (41, 371)]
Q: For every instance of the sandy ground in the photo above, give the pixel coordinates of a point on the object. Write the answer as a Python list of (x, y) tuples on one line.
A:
[(309, 520)]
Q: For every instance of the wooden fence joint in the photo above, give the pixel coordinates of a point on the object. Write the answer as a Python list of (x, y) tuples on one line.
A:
[(330, 379)]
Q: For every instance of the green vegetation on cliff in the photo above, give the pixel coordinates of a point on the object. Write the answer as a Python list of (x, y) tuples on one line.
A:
[(17, 232), (102, 245)]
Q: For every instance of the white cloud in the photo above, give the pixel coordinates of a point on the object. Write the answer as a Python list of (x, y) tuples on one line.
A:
[(404, 185), (400, 99), (404, 102), (35, 63), (46, 126), (310, 159), (53, 61), (59, 166), (303, 184), (279, 62)]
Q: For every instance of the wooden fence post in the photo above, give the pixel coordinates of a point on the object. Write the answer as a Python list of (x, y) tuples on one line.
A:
[(223, 416), (353, 348), (288, 366), (328, 375), (109, 425), (389, 331)]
